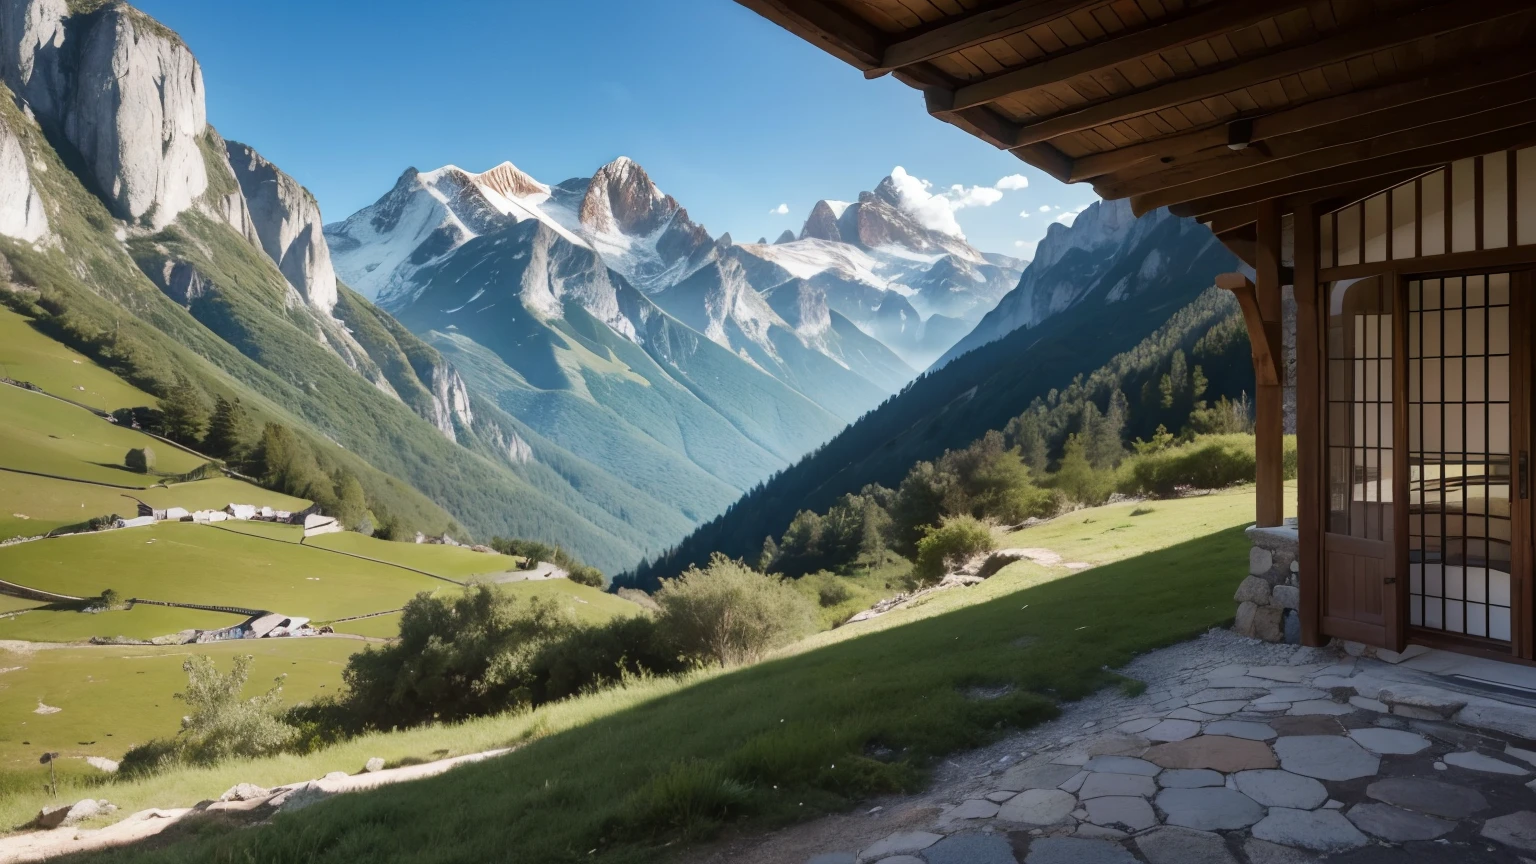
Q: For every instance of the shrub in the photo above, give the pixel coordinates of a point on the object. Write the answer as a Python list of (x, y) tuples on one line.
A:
[(1208, 462), (111, 600), (593, 656), (457, 657), (220, 724), (728, 613), (1078, 480), (532, 552), (140, 459), (950, 545)]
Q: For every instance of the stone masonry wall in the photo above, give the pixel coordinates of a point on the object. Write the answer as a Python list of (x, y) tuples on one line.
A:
[(1269, 597)]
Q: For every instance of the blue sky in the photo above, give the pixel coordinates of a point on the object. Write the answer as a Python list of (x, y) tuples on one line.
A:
[(728, 113)]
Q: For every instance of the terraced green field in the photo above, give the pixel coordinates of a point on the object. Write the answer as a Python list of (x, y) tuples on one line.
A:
[(453, 562), (32, 505), (140, 622), (27, 355), (188, 563), (111, 698), (47, 436)]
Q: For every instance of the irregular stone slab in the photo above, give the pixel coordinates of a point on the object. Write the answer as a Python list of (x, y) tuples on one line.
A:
[(1072, 850), (1173, 730), (1474, 761), (1311, 725), (1367, 704), (1190, 778), (971, 849), (1326, 757), (1075, 759), (1233, 682), (1292, 694), (837, 858), (1121, 765), (1098, 832), (1223, 707), (1396, 825), (1217, 752), (1209, 809), (1422, 706), (1105, 785), (1039, 807), (1134, 814), (1225, 694), (1242, 729), (1283, 674), (1133, 727), (1184, 846), (1525, 756), (1020, 778), (1318, 830), (1189, 714), (903, 843), (1000, 796), (1281, 789), (1389, 742), (1075, 782), (1117, 744), (1265, 852), (1325, 707), (975, 808), (1517, 830)]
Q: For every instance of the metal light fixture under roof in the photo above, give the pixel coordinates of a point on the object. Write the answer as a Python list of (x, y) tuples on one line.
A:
[(1239, 134)]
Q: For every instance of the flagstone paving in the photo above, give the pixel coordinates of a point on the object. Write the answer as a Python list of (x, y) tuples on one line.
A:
[(1297, 755)]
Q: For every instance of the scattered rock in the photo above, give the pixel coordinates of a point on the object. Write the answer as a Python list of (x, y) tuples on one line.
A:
[(102, 763), (335, 775), (1281, 789), (244, 792), (372, 765), (903, 843), (1389, 742), (1517, 830), (1184, 846), (970, 849), (1216, 809), (1073, 850), (69, 814), (1318, 830), (1396, 825), (1253, 590), (1038, 807), (1474, 761), (1326, 757), (46, 709), (305, 796)]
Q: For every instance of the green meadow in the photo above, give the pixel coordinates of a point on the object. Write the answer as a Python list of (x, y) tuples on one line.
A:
[(27, 355), (451, 562), (32, 505), (43, 435)]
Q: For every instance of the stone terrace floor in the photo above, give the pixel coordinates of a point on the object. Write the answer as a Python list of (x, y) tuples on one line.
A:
[(1239, 752)]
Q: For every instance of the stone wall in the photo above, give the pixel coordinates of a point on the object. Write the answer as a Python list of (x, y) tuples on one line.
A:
[(1267, 601)]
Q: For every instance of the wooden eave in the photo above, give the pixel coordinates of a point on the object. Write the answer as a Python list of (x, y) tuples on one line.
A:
[(1204, 107)]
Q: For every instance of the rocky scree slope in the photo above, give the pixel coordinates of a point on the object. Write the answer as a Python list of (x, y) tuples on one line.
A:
[(128, 214)]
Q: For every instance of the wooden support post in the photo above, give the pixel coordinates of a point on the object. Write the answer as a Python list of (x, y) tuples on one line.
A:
[(1269, 425), (1311, 491)]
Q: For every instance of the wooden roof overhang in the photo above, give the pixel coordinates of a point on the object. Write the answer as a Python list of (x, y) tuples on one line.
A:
[(1209, 108)]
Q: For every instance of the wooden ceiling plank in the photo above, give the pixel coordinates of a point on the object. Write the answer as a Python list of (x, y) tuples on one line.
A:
[(1504, 139), (1159, 37), (1314, 114), (832, 28), (970, 30), (1345, 44)]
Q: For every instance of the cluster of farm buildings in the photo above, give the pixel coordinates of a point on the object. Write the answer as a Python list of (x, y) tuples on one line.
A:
[(312, 519)]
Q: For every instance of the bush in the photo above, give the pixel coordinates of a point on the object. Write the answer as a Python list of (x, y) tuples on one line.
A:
[(457, 657), (593, 656), (220, 724), (1209, 462), (1078, 480), (532, 552), (950, 545), (140, 459), (728, 613)]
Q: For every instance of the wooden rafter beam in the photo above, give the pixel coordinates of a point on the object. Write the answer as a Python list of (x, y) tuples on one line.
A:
[(1266, 371), (1152, 155), (1495, 111), (998, 131), (1402, 119), (1366, 37), (1161, 35), (1223, 221), (958, 34), (1428, 157), (827, 25)]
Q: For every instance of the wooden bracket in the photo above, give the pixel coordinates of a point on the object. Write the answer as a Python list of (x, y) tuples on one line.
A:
[(1265, 370)]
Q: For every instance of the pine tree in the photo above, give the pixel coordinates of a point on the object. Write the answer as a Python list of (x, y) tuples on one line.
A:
[(351, 504), (182, 413), (231, 433)]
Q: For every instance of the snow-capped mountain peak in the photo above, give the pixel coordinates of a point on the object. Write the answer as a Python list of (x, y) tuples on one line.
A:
[(622, 199)]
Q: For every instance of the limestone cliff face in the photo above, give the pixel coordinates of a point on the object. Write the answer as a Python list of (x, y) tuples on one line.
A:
[(21, 209), (450, 399), (122, 90), (287, 222)]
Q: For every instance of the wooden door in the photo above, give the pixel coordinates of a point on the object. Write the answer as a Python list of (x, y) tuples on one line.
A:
[(1363, 425)]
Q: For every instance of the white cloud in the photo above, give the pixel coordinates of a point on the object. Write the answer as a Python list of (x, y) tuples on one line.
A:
[(1068, 217), (1012, 182), (1024, 214), (936, 210), (780, 210), (1045, 208)]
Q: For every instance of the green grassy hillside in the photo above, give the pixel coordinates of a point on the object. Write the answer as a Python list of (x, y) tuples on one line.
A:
[(27, 355)]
